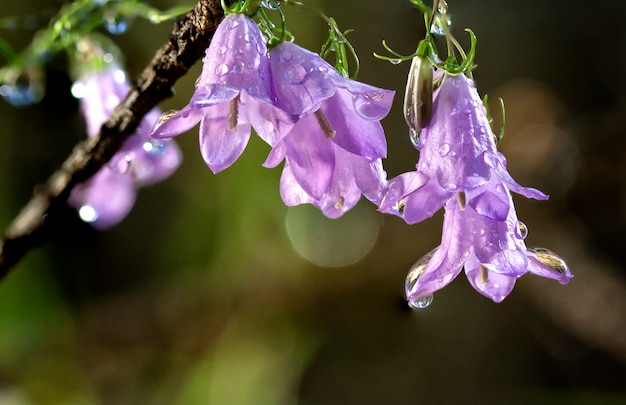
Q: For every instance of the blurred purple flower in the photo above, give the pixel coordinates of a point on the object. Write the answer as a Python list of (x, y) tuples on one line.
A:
[(458, 155), (333, 151), (106, 198), (233, 93), (492, 251)]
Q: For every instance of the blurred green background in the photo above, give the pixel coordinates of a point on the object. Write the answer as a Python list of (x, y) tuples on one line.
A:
[(213, 292)]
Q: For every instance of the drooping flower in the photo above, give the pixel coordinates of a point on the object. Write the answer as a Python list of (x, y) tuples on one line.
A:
[(106, 198), (493, 253), (233, 93), (333, 151), (458, 155)]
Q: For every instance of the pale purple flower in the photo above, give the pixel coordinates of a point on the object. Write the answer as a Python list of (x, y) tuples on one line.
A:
[(457, 155), (233, 93), (333, 152), (106, 198), (492, 252)]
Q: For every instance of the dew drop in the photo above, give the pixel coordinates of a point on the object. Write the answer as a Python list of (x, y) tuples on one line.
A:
[(414, 135), (233, 23), (292, 77), (165, 116), (238, 67), (115, 24), (416, 271), (550, 259), (78, 90), (154, 146), (522, 230), (23, 88), (222, 50), (421, 303), (122, 165), (222, 69), (450, 186), (395, 61), (367, 106), (271, 4), (444, 149), (88, 214), (285, 56), (247, 37)]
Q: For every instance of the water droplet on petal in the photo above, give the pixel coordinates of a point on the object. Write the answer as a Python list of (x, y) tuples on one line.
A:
[(121, 165), (522, 230), (292, 77), (88, 214), (232, 24), (450, 186), (444, 149), (285, 56), (247, 37), (367, 106), (421, 303), (164, 117), (222, 69), (271, 4), (550, 259), (154, 146), (239, 67)]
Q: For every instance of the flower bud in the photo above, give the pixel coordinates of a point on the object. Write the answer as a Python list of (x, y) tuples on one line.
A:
[(418, 98)]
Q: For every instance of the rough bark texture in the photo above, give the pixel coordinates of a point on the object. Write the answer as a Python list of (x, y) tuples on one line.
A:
[(190, 37)]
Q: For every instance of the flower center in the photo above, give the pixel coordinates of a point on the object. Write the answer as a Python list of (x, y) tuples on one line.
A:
[(329, 132)]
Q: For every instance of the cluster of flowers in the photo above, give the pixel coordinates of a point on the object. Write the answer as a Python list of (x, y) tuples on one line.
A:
[(324, 126), (327, 130), (107, 197)]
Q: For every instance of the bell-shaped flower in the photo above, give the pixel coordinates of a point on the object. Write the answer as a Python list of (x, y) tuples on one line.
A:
[(233, 93), (333, 152), (106, 198), (492, 252), (458, 155)]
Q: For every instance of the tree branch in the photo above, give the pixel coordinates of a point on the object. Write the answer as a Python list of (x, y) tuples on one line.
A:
[(190, 37)]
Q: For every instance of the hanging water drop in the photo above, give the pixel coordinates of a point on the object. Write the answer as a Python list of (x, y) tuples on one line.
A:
[(115, 24), (522, 230), (22, 88), (395, 61), (421, 303), (551, 259), (415, 138), (416, 271), (271, 4)]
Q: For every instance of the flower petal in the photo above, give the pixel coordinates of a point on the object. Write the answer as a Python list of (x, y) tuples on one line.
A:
[(492, 285), (178, 123)]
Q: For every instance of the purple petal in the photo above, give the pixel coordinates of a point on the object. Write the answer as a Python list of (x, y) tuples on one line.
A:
[(220, 146), (311, 157), (236, 60), (301, 78), (398, 188), (105, 199), (352, 132), (556, 270), (425, 202), (490, 284), (290, 191), (269, 122), (448, 260), (180, 122)]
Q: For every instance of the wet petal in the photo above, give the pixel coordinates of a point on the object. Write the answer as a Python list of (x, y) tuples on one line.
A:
[(492, 285), (178, 123)]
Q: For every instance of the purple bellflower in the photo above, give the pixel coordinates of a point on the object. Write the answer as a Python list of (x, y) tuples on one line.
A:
[(333, 151), (106, 198), (233, 93), (492, 251), (458, 156)]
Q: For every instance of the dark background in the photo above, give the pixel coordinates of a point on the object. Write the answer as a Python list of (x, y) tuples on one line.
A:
[(199, 296)]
